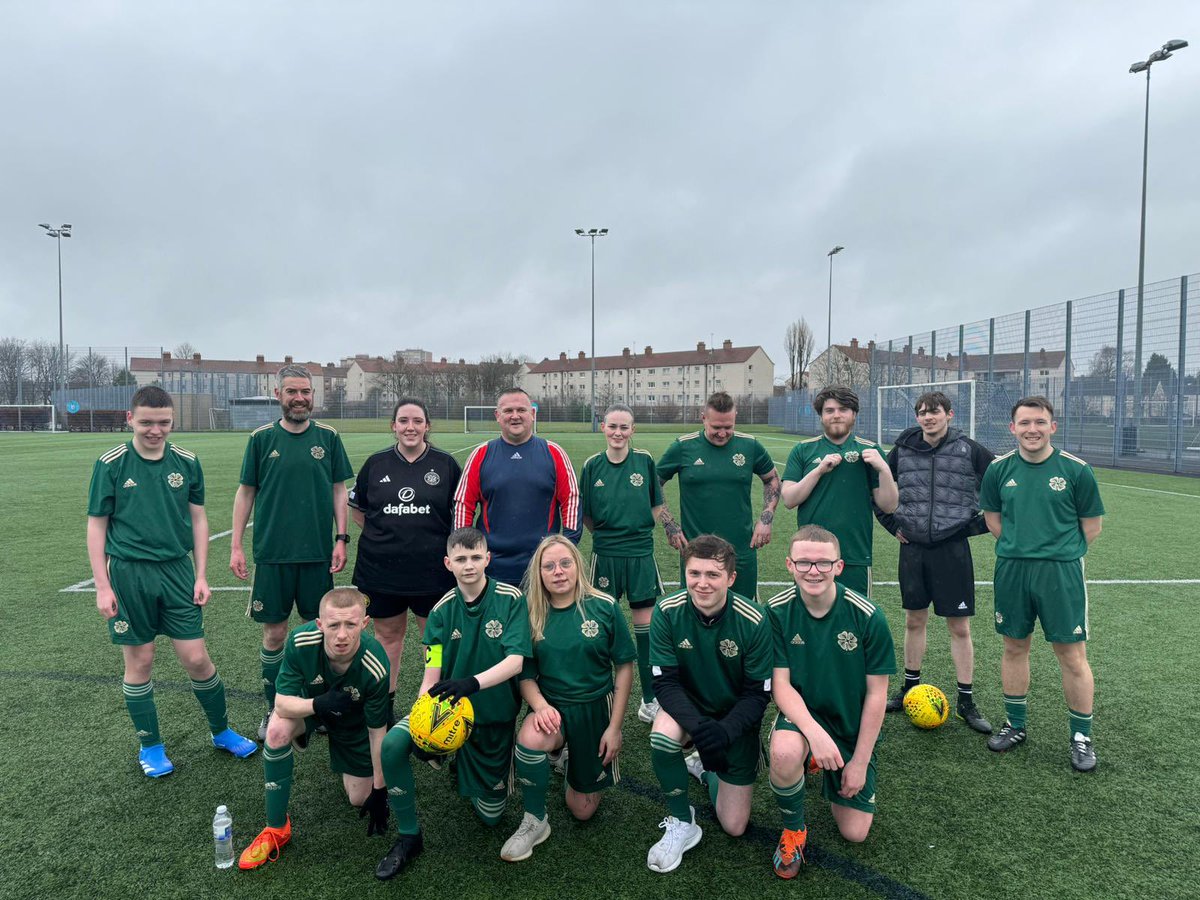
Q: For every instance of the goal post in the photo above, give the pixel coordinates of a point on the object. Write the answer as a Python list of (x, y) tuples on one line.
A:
[(894, 406), (28, 417)]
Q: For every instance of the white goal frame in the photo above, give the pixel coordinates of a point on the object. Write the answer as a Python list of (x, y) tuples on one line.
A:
[(925, 386), (42, 406), (212, 417), (491, 410)]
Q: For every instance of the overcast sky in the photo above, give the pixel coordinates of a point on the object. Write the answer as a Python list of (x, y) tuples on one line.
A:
[(324, 179)]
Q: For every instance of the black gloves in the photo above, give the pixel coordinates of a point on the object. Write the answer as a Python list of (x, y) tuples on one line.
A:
[(331, 704), (712, 740), (454, 689), (376, 806)]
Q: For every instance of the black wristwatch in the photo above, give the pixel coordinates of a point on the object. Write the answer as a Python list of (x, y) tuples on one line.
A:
[(342, 537)]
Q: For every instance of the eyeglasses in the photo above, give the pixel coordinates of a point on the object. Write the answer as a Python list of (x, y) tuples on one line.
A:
[(566, 565), (821, 565)]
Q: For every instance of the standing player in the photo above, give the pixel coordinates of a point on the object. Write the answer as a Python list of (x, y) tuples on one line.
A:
[(833, 656), (334, 673), (833, 479), (579, 637), (145, 512), (716, 466), (711, 653), (294, 479), (622, 499), (937, 470), (1043, 506), (525, 486), (477, 638), (403, 501)]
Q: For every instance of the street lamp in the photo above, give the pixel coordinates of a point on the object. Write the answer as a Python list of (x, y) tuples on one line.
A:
[(1165, 52), (829, 320), (592, 234), (62, 231)]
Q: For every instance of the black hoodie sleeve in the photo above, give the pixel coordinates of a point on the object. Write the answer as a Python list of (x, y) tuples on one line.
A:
[(888, 520)]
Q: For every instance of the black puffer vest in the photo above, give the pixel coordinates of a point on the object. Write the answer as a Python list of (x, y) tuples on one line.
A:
[(939, 494)]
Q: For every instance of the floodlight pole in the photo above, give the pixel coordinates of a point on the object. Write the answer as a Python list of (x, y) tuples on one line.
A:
[(62, 231), (829, 320), (592, 234), (1165, 52)]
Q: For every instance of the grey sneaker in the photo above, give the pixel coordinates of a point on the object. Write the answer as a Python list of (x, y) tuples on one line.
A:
[(1083, 754), (667, 854), (647, 711), (531, 832), (694, 766), (262, 727), (559, 760), (1007, 738)]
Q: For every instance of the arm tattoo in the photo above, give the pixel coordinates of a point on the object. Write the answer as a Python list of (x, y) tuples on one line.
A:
[(772, 489), (670, 526)]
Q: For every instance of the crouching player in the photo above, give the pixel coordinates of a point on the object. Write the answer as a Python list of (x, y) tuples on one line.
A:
[(331, 673), (710, 651), (833, 656), (579, 636), (477, 638), (145, 512)]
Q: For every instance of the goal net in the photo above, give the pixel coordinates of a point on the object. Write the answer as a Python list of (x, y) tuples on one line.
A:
[(28, 417), (894, 406), (218, 419), (482, 419)]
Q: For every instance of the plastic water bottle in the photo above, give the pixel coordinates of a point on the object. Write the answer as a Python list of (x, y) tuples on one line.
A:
[(223, 837)]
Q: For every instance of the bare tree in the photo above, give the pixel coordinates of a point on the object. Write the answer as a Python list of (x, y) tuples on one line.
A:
[(493, 374), (184, 351), (91, 370), (392, 381), (14, 364), (47, 370), (798, 343)]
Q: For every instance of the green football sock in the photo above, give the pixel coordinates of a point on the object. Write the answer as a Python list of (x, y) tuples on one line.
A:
[(397, 775), (279, 763), (533, 774), (211, 694), (489, 811), (713, 783), (271, 661), (1081, 723), (1015, 707), (666, 756), (641, 635), (139, 700), (791, 804)]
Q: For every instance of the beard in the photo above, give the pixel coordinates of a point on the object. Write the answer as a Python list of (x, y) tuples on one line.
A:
[(297, 413)]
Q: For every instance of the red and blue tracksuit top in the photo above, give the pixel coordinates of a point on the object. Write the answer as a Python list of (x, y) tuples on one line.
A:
[(523, 492)]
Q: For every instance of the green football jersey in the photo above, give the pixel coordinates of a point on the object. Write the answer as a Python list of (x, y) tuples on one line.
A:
[(573, 662), (714, 484), (476, 636), (307, 673), (1040, 504), (831, 657), (841, 501), (293, 475), (618, 499), (146, 501), (714, 660)]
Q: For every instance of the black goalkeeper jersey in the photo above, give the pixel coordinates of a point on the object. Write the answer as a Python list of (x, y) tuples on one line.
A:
[(409, 513)]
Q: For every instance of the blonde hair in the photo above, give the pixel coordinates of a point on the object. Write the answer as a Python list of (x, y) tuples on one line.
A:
[(535, 591), (344, 598)]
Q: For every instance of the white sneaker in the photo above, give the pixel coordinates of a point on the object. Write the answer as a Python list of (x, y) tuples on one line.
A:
[(559, 760), (694, 766), (647, 711), (667, 854), (532, 832)]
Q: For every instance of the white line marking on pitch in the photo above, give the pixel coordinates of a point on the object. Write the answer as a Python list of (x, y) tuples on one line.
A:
[(82, 587), (1148, 490)]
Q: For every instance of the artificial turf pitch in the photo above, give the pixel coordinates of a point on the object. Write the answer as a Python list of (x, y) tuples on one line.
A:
[(954, 820)]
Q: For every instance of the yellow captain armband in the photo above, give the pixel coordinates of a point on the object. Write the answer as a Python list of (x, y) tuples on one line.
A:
[(433, 656)]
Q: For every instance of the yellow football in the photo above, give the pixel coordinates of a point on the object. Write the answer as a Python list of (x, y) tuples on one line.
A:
[(439, 726), (927, 706)]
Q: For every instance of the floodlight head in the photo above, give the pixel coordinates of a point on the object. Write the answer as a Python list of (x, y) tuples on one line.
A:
[(835, 250), (1158, 56), (580, 232), (66, 227), (1139, 67), (603, 231), (1172, 46), (45, 225)]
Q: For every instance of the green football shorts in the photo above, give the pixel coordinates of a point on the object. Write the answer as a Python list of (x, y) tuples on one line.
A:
[(485, 762), (583, 724), (154, 598), (831, 781), (633, 577), (1048, 590), (857, 578), (277, 587)]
